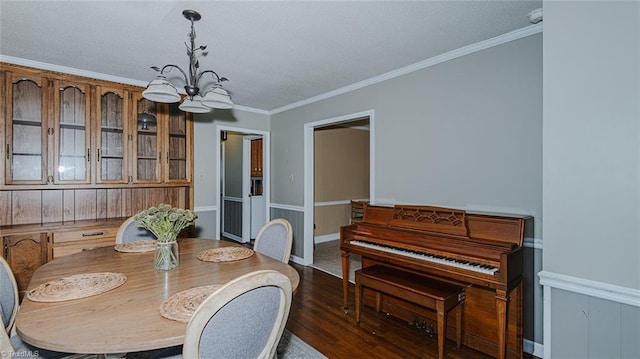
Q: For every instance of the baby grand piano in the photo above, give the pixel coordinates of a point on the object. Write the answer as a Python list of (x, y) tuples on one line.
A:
[(481, 251)]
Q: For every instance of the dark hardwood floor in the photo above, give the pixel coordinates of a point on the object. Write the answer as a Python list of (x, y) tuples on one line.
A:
[(318, 319)]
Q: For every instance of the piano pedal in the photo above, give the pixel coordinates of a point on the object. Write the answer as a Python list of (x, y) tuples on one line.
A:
[(422, 325), (431, 330)]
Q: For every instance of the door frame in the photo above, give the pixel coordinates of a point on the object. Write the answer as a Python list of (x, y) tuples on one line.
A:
[(246, 181), (266, 155), (309, 164)]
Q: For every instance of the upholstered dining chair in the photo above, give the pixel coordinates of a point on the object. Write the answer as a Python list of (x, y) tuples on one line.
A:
[(275, 239), (244, 318), (130, 232), (10, 344), (8, 295)]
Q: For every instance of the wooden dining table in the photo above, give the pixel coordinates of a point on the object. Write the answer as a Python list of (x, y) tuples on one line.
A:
[(127, 318)]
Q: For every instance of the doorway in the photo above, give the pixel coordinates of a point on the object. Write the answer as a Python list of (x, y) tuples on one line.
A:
[(242, 183), (338, 199)]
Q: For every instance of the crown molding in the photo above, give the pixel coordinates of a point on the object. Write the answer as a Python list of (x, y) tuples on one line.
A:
[(453, 54), (251, 109), (70, 70)]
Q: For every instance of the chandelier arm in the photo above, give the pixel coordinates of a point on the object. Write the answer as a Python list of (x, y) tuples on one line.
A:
[(218, 79), (186, 80)]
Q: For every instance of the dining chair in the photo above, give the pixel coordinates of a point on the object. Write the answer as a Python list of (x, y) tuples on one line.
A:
[(8, 295), (129, 231), (11, 345), (275, 239), (245, 318)]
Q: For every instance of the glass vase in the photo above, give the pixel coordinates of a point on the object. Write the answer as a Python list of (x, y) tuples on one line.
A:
[(167, 256)]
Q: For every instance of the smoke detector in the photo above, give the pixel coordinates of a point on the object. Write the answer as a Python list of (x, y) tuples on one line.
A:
[(535, 16)]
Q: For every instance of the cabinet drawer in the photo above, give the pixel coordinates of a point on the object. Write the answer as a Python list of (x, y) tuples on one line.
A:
[(85, 234), (68, 242), (79, 246)]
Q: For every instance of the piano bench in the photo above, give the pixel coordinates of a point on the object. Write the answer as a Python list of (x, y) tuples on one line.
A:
[(424, 291)]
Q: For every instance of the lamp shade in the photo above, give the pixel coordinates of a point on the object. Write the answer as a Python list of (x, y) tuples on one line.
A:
[(194, 105), (161, 90), (217, 97)]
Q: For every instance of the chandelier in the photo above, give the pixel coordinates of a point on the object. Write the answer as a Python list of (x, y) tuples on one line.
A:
[(161, 90)]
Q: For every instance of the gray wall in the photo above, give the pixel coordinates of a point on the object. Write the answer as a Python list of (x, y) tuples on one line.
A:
[(466, 133), (591, 141), (591, 178)]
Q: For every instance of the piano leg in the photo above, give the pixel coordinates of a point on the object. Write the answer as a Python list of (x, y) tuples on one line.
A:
[(345, 281), (442, 327), (502, 300)]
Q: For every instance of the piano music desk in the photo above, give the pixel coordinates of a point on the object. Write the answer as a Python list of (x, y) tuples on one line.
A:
[(427, 292)]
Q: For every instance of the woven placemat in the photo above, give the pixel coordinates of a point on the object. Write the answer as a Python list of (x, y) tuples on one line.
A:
[(225, 254), (180, 306), (143, 245), (76, 286)]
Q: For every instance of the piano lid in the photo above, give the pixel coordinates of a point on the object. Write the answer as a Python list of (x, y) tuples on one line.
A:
[(499, 229)]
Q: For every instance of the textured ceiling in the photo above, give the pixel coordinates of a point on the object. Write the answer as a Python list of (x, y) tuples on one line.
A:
[(274, 53)]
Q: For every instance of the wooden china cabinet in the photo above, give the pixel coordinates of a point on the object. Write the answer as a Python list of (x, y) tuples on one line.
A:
[(79, 158)]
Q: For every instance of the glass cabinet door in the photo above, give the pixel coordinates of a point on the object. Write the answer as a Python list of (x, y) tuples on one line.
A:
[(147, 162), (26, 129), (111, 150), (177, 154), (72, 141)]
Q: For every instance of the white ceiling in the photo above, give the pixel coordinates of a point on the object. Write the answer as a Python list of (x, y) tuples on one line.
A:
[(274, 53)]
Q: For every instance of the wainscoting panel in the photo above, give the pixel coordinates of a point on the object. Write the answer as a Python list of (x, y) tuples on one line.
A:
[(206, 223), (589, 327), (588, 319), (296, 218), (232, 214)]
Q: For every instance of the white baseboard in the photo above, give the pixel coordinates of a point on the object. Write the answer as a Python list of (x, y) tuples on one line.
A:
[(233, 236), (296, 259), (326, 238), (533, 348)]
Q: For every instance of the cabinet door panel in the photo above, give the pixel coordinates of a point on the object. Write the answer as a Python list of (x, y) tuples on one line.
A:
[(177, 151), (25, 253), (26, 129), (73, 157), (72, 141), (21, 136), (147, 146), (112, 135)]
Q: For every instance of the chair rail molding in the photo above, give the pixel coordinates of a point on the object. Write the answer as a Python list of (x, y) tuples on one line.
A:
[(591, 288)]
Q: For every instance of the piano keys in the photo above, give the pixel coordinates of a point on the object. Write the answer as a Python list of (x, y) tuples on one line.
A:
[(481, 250), (433, 258)]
